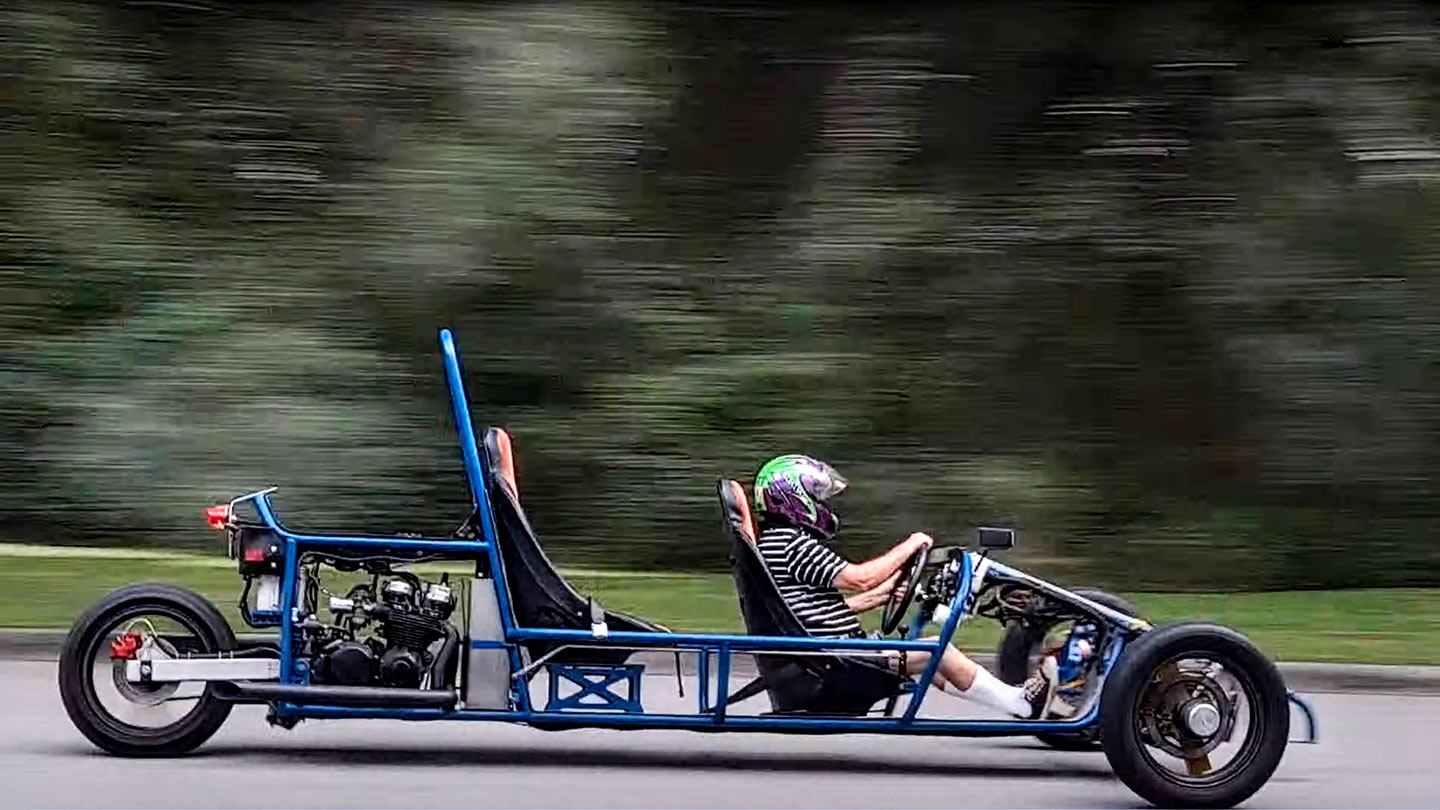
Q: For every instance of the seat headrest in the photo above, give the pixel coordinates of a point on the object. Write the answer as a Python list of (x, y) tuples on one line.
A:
[(737, 508), (500, 459)]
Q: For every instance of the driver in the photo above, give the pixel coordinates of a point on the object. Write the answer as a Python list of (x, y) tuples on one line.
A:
[(827, 592)]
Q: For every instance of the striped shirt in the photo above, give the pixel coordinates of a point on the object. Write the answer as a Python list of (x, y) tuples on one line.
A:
[(804, 569)]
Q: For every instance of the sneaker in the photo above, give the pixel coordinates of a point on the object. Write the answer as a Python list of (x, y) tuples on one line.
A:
[(1040, 689)]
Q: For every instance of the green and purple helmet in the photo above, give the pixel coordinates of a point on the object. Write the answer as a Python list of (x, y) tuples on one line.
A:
[(796, 489)]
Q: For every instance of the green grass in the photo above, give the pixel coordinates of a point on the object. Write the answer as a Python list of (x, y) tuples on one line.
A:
[(1372, 626)]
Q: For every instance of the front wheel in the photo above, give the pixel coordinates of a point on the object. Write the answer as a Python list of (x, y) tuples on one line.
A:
[(1193, 715), (134, 719)]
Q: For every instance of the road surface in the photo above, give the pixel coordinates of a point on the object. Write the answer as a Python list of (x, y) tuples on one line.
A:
[(1375, 751)]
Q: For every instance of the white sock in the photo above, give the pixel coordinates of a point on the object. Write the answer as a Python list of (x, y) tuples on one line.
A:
[(988, 690)]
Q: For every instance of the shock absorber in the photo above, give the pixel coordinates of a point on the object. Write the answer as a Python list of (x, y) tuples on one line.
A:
[(1079, 648)]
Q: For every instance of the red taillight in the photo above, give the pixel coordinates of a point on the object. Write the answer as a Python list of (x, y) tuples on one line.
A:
[(255, 554), (124, 646), (218, 516)]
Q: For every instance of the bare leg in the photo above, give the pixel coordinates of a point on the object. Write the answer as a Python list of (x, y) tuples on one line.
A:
[(970, 680), (954, 666)]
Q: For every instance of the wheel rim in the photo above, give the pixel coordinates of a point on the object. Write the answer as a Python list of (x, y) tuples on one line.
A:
[(1197, 720), (139, 708)]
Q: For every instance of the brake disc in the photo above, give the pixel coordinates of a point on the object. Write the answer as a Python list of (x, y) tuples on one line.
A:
[(139, 692)]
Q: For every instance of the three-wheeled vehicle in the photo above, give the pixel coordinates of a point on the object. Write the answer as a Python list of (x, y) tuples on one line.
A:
[(1187, 714)]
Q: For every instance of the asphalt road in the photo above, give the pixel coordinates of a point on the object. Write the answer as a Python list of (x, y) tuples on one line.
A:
[(1375, 751)]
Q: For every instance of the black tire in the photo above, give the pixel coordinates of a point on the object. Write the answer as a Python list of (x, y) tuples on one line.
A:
[(1012, 662), (77, 689), (1258, 756)]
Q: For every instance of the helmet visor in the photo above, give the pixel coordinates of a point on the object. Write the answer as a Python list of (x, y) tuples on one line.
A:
[(824, 483)]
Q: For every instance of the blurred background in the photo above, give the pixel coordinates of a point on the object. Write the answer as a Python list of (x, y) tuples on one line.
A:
[(1157, 284)]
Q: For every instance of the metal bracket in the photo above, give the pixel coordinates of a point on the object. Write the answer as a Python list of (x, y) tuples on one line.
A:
[(1312, 728), (595, 682)]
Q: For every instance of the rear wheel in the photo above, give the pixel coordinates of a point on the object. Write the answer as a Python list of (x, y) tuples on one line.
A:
[(1025, 646), (142, 719), (1194, 716)]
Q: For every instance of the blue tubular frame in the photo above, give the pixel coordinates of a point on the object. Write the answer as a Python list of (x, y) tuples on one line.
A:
[(973, 570)]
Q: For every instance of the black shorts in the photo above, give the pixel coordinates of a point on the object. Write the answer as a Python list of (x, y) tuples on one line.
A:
[(894, 660)]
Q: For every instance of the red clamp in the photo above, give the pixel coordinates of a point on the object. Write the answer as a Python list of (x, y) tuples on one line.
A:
[(124, 646)]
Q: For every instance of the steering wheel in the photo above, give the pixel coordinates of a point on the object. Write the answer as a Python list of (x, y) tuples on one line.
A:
[(903, 595)]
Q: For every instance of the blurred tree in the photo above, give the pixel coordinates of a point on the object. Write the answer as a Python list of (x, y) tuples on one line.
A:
[(1156, 283)]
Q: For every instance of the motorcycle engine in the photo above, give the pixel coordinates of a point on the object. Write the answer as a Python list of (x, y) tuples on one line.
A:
[(402, 623)]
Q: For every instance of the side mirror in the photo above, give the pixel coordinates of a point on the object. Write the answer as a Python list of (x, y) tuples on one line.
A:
[(992, 539)]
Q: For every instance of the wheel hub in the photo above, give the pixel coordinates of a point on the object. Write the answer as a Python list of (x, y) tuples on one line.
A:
[(1201, 718)]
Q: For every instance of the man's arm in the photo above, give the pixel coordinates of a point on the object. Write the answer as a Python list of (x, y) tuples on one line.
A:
[(873, 598), (871, 574)]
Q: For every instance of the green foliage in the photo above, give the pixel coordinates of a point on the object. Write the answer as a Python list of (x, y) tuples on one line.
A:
[(1156, 284), (1376, 626)]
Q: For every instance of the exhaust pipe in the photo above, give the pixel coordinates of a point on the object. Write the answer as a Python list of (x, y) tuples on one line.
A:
[(269, 692), (443, 668)]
